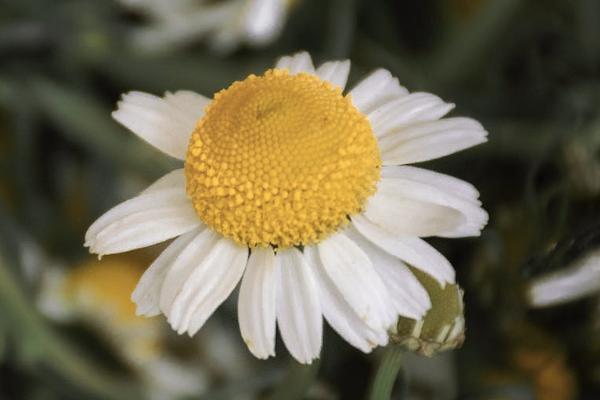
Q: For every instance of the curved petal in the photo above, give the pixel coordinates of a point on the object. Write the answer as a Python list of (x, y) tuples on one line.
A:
[(299, 62), (256, 302), (298, 308), (335, 72), (209, 284), (412, 250), (351, 271), (183, 265), (405, 216), (407, 110), (173, 180), (377, 89), (447, 183), (578, 280), (338, 312), (409, 297), (429, 140), (166, 123), (161, 212), (418, 187), (147, 292)]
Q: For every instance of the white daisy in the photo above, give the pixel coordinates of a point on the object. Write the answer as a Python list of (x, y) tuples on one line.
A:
[(302, 194), (226, 24)]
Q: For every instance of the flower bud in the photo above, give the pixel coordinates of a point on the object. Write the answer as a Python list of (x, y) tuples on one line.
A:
[(442, 328)]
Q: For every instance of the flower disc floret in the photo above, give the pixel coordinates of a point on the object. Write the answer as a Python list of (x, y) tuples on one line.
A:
[(281, 160)]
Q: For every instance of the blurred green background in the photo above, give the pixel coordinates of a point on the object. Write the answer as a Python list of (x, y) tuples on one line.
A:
[(528, 70)]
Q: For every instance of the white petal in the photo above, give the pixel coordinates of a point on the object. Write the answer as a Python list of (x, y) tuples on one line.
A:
[(429, 140), (412, 250), (183, 265), (211, 281), (444, 182), (264, 20), (377, 89), (407, 110), (144, 229), (406, 216), (298, 308), (335, 72), (160, 213), (339, 314), (408, 295), (166, 123), (147, 292), (256, 302), (173, 180), (300, 62), (418, 187), (164, 182), (578, 280), (351, 271)]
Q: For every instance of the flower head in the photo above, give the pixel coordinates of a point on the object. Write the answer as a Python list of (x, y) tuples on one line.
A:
[(299, 191)]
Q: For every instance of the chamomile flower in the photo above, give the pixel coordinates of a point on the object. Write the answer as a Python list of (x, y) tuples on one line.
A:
[(301, 193), (226, 24)]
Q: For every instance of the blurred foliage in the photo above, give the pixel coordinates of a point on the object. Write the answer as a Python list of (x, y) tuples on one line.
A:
[(528, 70)]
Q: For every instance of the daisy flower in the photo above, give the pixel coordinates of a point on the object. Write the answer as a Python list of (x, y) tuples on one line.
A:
[(226, 24), (301, 193)]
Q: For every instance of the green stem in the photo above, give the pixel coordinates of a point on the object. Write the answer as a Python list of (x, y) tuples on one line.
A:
[(387, 373)]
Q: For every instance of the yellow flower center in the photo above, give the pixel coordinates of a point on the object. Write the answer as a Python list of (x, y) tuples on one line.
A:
[(281, 160)]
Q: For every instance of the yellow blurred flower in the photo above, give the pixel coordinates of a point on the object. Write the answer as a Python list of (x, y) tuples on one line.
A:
[(98, 291)]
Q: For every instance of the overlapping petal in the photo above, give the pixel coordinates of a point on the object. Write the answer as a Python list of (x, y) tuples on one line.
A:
[(352, 272), (166, 123), (298, 307), (257, 302), (339, 314), (410, 249), (335, 72), (159, 213), (299, 62), (428, 140), (376, 90)]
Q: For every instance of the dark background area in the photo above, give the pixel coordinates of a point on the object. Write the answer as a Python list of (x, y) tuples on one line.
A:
[(528, 70)]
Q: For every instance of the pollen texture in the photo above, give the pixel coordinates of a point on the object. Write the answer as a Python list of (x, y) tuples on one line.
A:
[(281, 160)]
